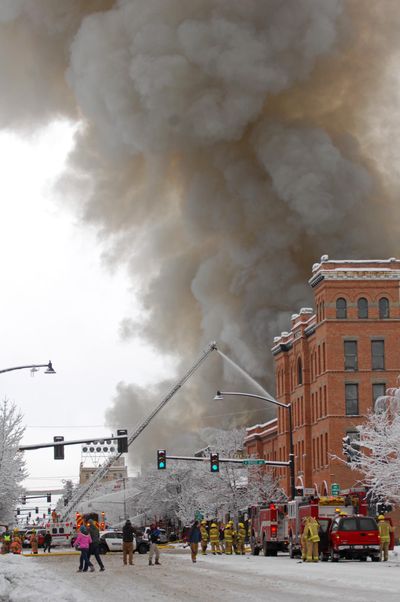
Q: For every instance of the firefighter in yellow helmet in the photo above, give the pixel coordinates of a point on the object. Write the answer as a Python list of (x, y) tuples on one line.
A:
[(385, 529), (303, 538), (312, 539), (241, 537), (228, 536), (204, 536), (214, 539), (34, 542)]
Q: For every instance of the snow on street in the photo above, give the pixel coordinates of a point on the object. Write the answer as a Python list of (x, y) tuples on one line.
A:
[(212, 578)]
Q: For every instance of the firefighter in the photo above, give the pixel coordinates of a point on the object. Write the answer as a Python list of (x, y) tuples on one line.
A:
[(303, 538), (5, 548), (204, 536), (34, 542), (241, 537), (16, 545), (312, 539), (214, 539), (384, 531), (228, 536)]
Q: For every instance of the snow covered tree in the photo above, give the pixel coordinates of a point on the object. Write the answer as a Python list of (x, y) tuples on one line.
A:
[(377, 455), (12, 465)]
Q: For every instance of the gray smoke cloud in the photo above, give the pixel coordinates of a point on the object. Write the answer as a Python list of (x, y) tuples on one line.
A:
[(225, 146)]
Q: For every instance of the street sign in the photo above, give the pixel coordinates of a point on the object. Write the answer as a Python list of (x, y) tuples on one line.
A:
[(335, 488), (252, 461), (198, 515)]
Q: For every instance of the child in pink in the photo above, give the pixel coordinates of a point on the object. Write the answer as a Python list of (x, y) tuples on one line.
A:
[(82, 543)]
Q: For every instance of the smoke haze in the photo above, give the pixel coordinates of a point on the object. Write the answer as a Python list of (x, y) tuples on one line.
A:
[(225, 145)]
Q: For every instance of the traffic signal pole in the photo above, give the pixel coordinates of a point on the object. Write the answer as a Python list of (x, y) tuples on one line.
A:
[(244, 461)]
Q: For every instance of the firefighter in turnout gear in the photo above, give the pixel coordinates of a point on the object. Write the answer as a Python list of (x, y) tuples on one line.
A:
[(312, 539), (384, 531), (240, 538), (228, 536), (214, 539), (303, 538), (204, 536), (34, 542)]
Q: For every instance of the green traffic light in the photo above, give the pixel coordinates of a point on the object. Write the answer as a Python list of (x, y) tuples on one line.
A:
[(214, 467), (161, 465)]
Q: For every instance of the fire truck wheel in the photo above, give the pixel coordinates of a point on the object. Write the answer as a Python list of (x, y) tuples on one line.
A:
[(266, 552)]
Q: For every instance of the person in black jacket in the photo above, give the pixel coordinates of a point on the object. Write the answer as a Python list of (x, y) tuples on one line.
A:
[(194, 539), (47, 541), (127, 542), (94, 548)]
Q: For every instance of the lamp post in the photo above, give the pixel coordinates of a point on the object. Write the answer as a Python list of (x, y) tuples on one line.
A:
[(49, 366), (288, 407)]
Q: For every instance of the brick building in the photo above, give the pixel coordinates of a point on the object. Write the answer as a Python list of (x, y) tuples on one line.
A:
[(331, 366)]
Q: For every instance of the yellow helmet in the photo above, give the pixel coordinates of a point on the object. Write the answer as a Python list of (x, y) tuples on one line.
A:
[(230, 522), (241, 525), (213, 525), (203, 522), (337, 510), (381, 517)]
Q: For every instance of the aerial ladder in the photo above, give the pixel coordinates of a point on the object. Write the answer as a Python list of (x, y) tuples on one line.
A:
[(102, 470)]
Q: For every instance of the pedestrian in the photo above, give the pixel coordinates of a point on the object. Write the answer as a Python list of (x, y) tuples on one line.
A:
[(82, 543), (94, 548), (194, 539), (222, 537), (204, 537), (47, 541), (34, 542), (127, 542), (214, 539), (154, 538), (385, 529)]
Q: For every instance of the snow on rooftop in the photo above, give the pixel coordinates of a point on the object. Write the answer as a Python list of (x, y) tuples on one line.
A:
[(261, 426)]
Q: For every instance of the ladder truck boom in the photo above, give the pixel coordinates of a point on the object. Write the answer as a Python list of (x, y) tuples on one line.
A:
[(102, 470)]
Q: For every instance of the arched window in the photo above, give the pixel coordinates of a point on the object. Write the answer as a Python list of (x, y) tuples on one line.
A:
[(384, 308), (299, 372), (341, 309), (362, 306)]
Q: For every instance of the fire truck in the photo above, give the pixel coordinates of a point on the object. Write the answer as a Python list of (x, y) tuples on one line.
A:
[(324, 509), (269, 529)]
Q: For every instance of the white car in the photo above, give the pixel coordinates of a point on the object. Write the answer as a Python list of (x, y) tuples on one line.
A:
[(111, 541)]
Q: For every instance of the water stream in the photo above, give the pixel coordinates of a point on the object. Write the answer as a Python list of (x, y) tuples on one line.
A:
[(260, 388)]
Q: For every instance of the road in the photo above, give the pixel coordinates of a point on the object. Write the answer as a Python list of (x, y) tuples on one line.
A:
[(219, 578)]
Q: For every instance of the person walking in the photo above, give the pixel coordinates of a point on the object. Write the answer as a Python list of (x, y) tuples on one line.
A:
[(154, 538), (82, 543), (214, 539), (194, 539), (34, 542), (47, 541), (204, 537), (385, 529), (94, 548), (127, 542), (222, 537)]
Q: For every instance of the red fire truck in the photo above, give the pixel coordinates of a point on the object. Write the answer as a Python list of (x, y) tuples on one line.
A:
[(269, 529), (324, 509)]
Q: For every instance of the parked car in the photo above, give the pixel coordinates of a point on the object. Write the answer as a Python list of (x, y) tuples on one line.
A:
[(111, 541), (353, 537)]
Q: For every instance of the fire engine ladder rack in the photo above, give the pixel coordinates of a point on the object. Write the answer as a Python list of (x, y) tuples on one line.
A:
[(102, 470)]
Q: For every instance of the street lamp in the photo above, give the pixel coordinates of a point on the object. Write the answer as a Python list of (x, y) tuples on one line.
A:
[(287, 406), (49, 366)]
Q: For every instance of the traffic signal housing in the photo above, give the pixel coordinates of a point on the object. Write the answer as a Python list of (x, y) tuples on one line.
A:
[(122, 444), (23, 499), (48, 498), (18, 511), (383, 507), (161, 459), (214, 462), (37, 510), (58, 449)]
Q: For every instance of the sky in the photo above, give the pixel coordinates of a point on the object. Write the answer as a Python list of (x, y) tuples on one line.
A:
[(59, 303)]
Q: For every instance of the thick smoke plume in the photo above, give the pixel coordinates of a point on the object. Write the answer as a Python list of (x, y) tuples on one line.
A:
[(226, 144)]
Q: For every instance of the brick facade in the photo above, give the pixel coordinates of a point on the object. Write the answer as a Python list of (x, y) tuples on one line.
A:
[(330, 366)]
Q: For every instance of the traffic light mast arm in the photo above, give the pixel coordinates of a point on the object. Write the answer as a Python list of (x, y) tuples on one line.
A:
[(231, 460), (62, 443), (102, 470)]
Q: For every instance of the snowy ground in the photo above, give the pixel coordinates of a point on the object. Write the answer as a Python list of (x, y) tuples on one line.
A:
[(212, 578)]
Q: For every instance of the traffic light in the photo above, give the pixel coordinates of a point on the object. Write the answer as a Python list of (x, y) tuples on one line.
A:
[(122, 445), (23, 499), (58, 449), (48, 498), (161, 459), (36, 510), (18, 511), (382, 508), (214, 462), (48, 510), (29, 514)]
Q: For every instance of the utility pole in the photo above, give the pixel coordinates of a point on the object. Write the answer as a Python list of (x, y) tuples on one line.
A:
[(125, 515)]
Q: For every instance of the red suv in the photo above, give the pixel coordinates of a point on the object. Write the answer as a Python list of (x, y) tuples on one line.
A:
[(353, 537)]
